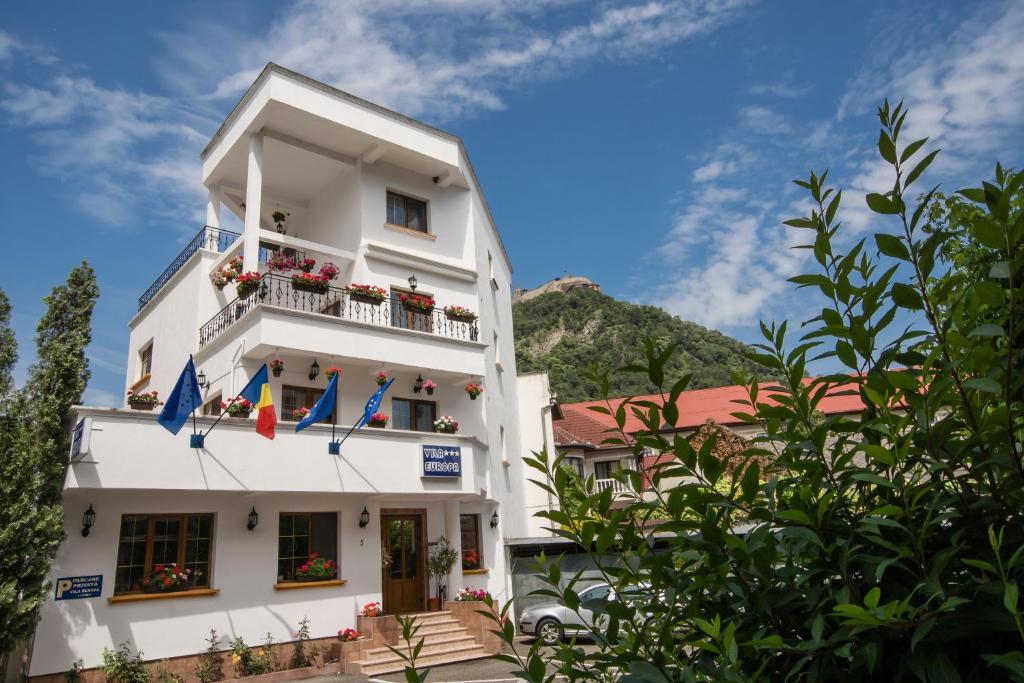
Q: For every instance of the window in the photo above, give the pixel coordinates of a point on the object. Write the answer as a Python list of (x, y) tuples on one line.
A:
[(212, 406), (300, 534), (575, 464), (605, 469), (293, 398), (472, 549), (418, 416), (407, 212), (150, 540), (146, 360)]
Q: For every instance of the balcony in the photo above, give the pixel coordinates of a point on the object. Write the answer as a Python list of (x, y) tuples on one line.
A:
[(213, 239), (615, 485), (279, 292)]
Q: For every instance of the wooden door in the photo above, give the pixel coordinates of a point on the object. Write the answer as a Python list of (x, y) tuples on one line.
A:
[(405, 576)]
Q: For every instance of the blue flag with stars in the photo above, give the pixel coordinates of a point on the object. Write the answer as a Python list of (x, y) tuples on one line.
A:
[(373, 404), (183, 400)]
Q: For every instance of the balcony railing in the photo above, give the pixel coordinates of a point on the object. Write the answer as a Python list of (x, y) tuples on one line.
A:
[(214, 239), (279, 291), (614, 484)]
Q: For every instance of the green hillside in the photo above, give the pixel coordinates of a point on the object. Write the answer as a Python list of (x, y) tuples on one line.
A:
[(565, 333)]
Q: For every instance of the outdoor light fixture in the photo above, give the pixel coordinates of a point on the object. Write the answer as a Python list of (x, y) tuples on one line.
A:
[(494, 520), (418, 386), (254, 519), (364, 518), (202, 380), (413, 282), (88, 519), (314, 370)]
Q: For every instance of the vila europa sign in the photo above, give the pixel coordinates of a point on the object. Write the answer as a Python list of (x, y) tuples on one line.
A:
[(442, 461), (75, 587)]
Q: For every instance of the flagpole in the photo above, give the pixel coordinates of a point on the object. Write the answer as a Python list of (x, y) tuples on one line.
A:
[(233, 401), (334, 448)]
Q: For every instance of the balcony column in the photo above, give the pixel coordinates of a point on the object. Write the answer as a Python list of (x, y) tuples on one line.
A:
[(253, 199), (453, 532), (212, 208)]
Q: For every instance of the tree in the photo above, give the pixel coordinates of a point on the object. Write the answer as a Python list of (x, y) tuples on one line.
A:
[(34, 447), (886, 546)]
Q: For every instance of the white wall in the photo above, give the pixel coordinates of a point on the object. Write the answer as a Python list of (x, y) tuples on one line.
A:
[(536, 435)]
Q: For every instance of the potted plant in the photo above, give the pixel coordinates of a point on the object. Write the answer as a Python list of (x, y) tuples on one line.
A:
[(382, 378), (329, 271), (332, 371), (280, 262), (222, 277), (306, 265), (308, 282), (470, 559), (417, 302), (317, 568), (446, 424), (378, 420), (347, 635), (471, 594), (279, 218), (235, 264), (277, 366), (143, 401), (300, 413), (239, 408), (429, 386), (474, 390), (440, 564), (168, 578), (247, 283), (371, 609), (367, 294), (459, 313)]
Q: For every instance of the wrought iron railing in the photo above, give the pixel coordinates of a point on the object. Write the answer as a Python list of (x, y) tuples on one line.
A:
[(280, 292), (214, 239)]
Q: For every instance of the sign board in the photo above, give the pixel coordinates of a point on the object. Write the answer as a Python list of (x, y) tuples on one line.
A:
[(80, 438), (77, 587), (442, 461)]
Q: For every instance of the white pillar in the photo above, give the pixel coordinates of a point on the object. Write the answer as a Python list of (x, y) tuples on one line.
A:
[(212, 208), (253, 198), (453, 532)]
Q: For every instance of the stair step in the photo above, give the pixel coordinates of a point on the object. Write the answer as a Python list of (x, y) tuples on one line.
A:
[(425, 617), (438, 634), (432, 627), (429, 648), (375, 667)]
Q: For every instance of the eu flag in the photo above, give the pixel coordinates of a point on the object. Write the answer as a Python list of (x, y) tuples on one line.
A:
[(183, 400), (373, 404), (324, 407)]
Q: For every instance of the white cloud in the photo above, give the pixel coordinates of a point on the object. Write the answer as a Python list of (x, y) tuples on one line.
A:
[(785, 89), (727, 159), (7, 46), (764, 120)]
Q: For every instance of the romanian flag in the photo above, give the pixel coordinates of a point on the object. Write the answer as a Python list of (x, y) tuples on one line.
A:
[(257, 391)]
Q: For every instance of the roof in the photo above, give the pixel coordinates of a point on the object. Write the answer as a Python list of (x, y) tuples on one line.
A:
[(271, 67), (581, 425)]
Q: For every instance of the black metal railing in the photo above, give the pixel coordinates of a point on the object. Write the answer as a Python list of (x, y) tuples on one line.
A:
[(214, 239), (279, 291)]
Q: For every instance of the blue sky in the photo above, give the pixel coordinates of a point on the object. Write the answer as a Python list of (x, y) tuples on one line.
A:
[(647, 145)]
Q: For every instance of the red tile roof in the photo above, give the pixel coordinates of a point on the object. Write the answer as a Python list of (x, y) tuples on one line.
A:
[(581, 425)]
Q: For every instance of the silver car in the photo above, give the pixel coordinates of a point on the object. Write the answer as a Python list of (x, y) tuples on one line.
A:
[(551, 621)]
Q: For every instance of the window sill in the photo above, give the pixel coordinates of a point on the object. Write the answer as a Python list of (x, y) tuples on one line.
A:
[(140, 382), (293, 585), (409, 231), (141, 597), (471, 572)]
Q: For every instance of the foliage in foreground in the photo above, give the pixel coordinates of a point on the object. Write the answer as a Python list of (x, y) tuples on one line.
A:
[(884, 546), (34, 446)]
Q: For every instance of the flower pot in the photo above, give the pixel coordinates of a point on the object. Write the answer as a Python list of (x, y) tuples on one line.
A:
[(244, 415), (378, 425), (430, 391), (472, 397), (246, 292), (141, 405), (433, 604), (276, 371), (309, 287), (363, 299), (309, 579), (460, 318)]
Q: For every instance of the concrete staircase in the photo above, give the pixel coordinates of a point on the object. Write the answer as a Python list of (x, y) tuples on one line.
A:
[(445, 641)]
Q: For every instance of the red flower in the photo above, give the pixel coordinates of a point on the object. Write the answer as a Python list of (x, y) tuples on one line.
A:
[(158, 568)]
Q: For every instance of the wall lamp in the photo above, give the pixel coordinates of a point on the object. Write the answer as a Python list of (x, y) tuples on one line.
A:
[(364, 518), (494, 520), (202, 380), (88, 519), (417, 386), (413, 282), (254, 519), (314, 370)]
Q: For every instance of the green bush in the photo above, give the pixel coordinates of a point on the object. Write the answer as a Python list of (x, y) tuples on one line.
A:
[(881, 546), (121, 666)]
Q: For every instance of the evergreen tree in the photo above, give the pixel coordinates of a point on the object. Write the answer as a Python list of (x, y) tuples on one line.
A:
[(34, 446)]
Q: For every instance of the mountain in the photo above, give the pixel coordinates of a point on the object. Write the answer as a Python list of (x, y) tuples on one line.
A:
[(565, 333)]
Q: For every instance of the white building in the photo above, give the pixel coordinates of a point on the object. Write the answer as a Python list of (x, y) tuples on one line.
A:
[(392, 203)]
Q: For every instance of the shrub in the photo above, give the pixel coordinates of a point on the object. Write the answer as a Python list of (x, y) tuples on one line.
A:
[(209, 670), (881, 546), (300, 658), (121, 666)]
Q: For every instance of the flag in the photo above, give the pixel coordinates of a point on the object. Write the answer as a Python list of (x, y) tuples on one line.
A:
[(373, 404), (183, 400), (324, 407), (257, 392)]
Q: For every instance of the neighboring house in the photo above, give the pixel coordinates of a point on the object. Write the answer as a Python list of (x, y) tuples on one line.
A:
[(580, 435), (312, 173)]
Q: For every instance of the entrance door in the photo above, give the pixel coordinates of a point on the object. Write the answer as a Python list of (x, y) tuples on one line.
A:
[(405, 571)]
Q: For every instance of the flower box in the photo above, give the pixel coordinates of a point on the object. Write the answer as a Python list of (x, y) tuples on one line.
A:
[(246, 284), (141, 405), (446, 425), (459, 313), (417, 303), (241, 414), (377, 423), (304, 282)]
